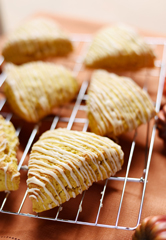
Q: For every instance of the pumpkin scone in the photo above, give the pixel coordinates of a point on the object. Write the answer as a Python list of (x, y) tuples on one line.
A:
[(116, 104), (36, 39), (9, 175), (63, 163), (119, 47), (34, 89)]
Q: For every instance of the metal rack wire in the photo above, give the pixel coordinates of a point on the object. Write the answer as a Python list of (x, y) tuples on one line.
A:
[(79, 106)]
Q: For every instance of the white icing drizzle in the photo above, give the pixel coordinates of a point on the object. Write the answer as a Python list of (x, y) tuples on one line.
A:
[(36, 38), (3, 145), (119, 99), (35, 97), (73, 194), (80, 158), (15, 175), (5, 170), (36, 181), (37, 198), (50, 206), (59, 151), (77, 140), (107, 150), (78, 149), (121, 45), (51, 173), (72, 156), (48, 150), (8, 145), (117, 102), (52, 159), (38, 193), (45, 179), (33, 196)]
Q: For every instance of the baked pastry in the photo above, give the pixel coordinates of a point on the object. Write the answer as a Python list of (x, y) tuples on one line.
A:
[(34, 89), (36, 39), (9, 175), (63, 163), (119, 47), (116, 104)]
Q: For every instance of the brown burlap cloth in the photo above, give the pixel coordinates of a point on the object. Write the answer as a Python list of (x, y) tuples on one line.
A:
[(21, 227)]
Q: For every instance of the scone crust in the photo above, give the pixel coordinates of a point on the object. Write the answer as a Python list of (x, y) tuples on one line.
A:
[(64, 163), (116, 104), (119, 47), (34, 89), (9, 175), (37, 39)]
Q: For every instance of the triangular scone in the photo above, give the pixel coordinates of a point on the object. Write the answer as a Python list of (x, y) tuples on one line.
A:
[(34, 89), (116, 104), (119, 47), (64, 163), (36, 39), (9, 175)]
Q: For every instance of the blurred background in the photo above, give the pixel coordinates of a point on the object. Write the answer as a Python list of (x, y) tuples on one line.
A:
[(145, 14)]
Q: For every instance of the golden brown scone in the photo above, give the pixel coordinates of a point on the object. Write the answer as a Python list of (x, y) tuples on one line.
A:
[(119, 47), (36, 39), (63, 163), (34, 89), (116, 104), (9, 175)]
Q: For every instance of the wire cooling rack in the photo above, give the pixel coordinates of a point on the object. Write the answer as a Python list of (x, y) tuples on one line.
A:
[(69, 116)]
